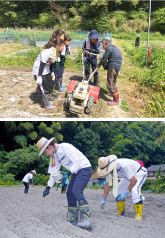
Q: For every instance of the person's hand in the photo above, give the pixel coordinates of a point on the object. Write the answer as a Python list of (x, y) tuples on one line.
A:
[(39, 80), (53, 76), (98, 66), (122, 197), (102, 203), (86, 51), (46, 191)]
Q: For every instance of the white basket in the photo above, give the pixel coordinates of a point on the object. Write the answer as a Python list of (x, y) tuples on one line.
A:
[(57, 176)]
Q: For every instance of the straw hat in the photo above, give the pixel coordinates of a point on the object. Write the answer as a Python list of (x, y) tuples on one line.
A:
[(43, 143), (106, 164)]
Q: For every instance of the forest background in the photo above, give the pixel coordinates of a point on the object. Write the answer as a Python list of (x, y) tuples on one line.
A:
[(108, 16), (134, 140)]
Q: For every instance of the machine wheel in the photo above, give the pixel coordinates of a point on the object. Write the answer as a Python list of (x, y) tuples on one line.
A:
[(89, 105), (68, 99)]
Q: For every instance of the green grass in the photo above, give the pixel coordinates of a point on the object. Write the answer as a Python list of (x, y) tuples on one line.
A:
[(151, 81), (124, 106)]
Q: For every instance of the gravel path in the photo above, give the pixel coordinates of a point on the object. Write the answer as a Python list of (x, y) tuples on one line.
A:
[(31, 216)]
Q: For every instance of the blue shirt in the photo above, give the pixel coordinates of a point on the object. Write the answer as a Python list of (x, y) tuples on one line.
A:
[(114, 57)]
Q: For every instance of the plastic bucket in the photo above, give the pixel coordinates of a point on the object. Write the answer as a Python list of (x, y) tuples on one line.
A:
[(57, 176)]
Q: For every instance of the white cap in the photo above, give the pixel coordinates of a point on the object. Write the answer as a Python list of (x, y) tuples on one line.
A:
[(34, 171), (139, 35)]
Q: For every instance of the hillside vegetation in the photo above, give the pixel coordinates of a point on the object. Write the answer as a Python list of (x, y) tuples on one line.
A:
[(104, 16)]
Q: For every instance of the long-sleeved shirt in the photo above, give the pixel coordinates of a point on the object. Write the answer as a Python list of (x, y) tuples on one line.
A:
[(114, 57), (94, 48), (28, 177), (70, 158)]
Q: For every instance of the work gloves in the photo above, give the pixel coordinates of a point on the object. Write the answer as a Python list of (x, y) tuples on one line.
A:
[(53, 76), (65, 176), (122, 197), (39, 80), (102, 203), (46, 191)]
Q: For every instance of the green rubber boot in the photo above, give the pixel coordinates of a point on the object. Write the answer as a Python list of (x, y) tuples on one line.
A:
[(73, 211), (85, 215)]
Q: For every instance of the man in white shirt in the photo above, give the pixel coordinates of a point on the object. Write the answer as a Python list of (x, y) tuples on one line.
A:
[(132, 178), (79, 167)]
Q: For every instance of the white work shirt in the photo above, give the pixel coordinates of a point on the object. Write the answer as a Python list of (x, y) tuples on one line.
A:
[(126, 168), (27, 177), (70, 158), (42, 57)]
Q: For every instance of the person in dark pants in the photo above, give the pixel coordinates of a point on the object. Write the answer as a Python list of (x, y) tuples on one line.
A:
[(59, 66), (41, 70), (113, 58), (78, 167), (92, 45), (28, 177), (137, 41)]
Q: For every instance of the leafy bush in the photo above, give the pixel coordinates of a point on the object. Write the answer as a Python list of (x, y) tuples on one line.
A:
[(5, 177), (23, 160), (147, 185), (40, 179)]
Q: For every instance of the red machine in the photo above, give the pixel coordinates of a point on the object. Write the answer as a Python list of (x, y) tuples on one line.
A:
[(81, 96)]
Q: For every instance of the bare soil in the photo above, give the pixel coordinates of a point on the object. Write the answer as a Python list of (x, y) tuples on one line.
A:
[(31, 215), (19, 97)]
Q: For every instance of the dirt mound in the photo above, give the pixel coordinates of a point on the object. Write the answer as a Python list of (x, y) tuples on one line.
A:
[(31, 215)]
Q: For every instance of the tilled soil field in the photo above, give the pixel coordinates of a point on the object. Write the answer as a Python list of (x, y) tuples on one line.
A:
[(19, 97), (31, 215)]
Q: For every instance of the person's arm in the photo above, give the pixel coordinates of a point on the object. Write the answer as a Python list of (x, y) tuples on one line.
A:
[(132, 184), (126, 192), (41, 68), (106, 190), (105, 57), (103, 200)]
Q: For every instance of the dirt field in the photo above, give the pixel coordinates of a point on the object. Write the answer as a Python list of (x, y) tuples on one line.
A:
[(19, 97), (31, 215)]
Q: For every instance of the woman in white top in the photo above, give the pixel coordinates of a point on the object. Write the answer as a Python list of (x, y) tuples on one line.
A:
[(78, 167), (132, 178), (41, 70), (27, 177)]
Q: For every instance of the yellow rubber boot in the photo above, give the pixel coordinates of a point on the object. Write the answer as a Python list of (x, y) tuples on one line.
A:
[(138, 211), (121, 208)]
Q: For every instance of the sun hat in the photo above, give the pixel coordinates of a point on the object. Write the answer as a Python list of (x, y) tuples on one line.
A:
[(106, 40), (43, 143), (93, 34), (106, 164), (34, 171)]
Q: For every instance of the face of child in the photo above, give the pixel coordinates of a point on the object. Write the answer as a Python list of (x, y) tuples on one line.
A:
[(61, 37), (67, 43), (93, 40), (60, 47), (49, 151)]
